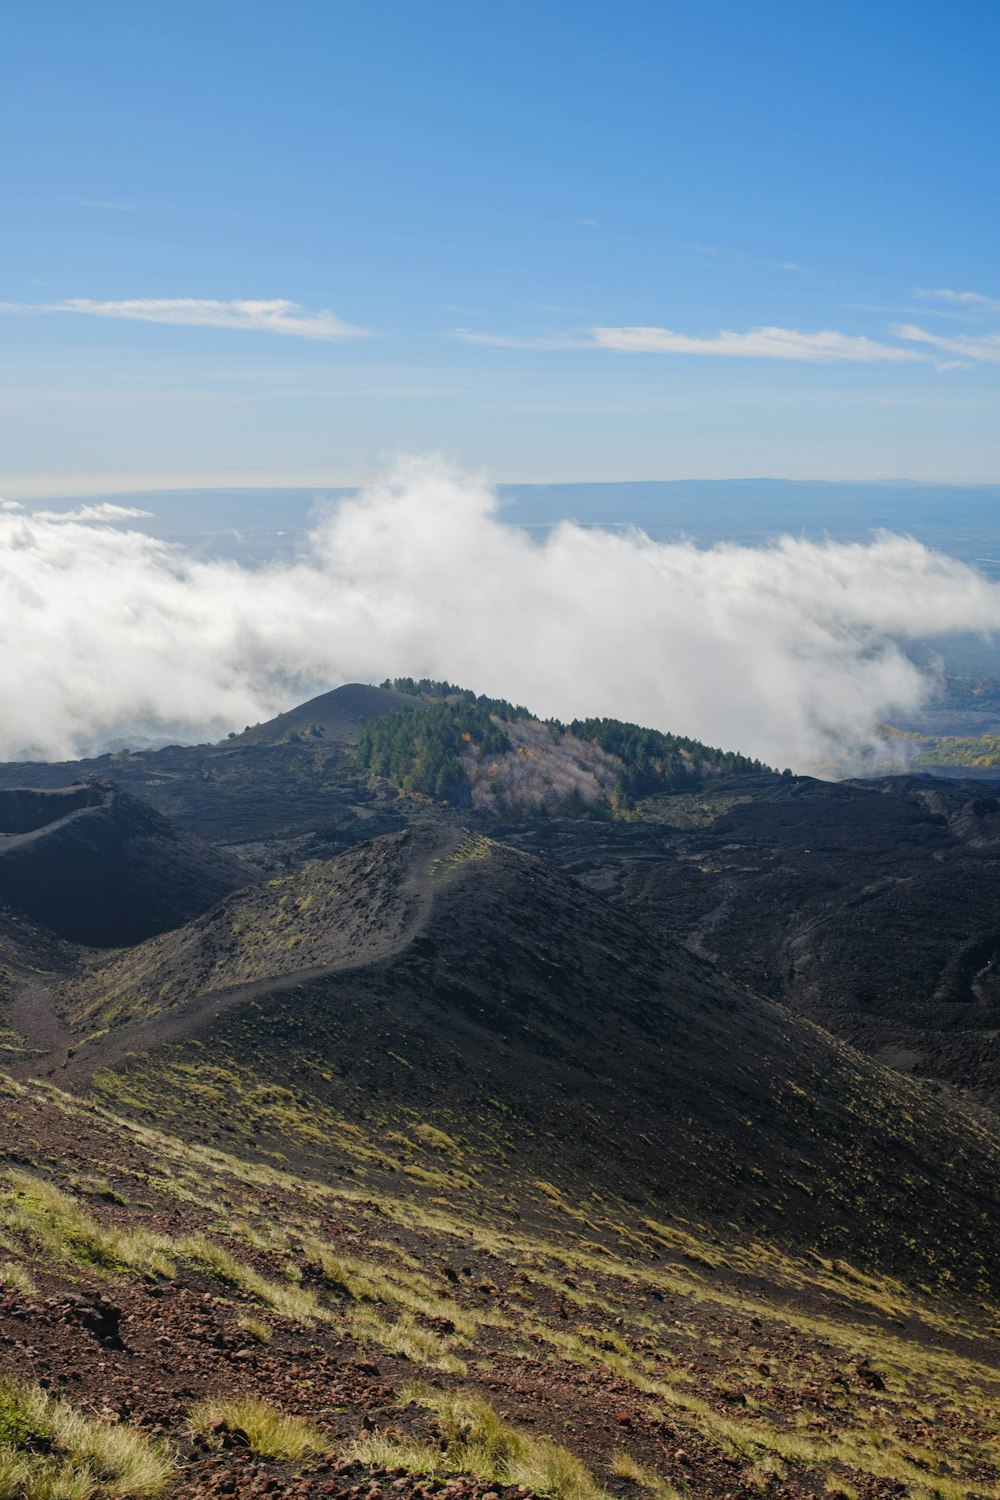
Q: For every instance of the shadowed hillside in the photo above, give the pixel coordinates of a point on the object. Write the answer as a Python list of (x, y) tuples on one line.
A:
[(97, 867), (870, 907), (438, 976)]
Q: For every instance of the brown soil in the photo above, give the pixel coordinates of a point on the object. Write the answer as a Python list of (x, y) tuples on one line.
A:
[(179, 1339)]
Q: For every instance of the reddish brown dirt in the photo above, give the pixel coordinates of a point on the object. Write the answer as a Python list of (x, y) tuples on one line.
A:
[(179, 1340)]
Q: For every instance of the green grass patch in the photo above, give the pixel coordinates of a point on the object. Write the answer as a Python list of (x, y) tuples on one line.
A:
[(255, 1328), (51, 1451), (626, 1467), (266, 1430), (406, 1337), (294, 1302), (474, 1439), (14, 1278), (62, 1231), (404, 1287)]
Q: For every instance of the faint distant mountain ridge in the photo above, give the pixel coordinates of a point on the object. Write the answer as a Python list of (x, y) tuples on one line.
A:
[(258, 526)]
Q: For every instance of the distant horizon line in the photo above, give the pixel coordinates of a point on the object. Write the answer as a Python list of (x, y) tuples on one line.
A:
[(32, 497)]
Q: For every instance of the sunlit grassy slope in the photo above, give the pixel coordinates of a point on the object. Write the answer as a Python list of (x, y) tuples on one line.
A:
[(746, 1361)]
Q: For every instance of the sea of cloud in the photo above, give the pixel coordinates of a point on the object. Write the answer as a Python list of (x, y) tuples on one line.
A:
[(792, 652)]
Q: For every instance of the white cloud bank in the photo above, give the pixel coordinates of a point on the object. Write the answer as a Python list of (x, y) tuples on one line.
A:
[(275, 316), (782, 652)]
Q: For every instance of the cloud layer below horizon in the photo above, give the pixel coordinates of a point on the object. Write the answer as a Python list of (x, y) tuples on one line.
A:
[(788, 652)]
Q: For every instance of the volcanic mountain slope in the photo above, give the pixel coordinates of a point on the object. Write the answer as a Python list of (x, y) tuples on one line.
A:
[(338, 715), (97, 867), (511, 1190), (530, 1029), (305, 774), (32, 959), (870, 907), (264, 792)]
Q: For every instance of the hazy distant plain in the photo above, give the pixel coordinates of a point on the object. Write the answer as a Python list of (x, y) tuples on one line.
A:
[(257, 526)]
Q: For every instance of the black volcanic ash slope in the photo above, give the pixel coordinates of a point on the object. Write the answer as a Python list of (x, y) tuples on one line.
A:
[(438, 977), (97, 867), (871, 907), (340, 715), (277, 781)]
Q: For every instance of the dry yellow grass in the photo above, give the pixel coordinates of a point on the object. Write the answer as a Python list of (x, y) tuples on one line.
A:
[(51, 1451), (268, 1431), (475, 1440)]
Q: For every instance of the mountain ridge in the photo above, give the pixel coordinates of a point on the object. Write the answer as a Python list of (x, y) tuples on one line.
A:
[(497, 1102), (472, 965)]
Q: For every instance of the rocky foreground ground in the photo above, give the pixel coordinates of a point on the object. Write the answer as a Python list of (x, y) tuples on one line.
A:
[(144, 1277)]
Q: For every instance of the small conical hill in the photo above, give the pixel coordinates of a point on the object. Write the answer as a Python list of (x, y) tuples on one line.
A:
[(340, 715)]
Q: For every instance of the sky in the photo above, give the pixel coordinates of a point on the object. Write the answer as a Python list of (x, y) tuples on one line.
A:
[(243, 244)]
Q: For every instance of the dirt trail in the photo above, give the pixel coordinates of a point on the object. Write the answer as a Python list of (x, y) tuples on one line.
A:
[(698, 938), (33, 1014), (415, 898)]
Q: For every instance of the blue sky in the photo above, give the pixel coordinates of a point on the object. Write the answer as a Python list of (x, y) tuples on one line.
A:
[(251, 244)]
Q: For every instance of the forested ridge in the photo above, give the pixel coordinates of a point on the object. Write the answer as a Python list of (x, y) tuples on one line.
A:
[(655, 762), (458, 740), (420, 750)]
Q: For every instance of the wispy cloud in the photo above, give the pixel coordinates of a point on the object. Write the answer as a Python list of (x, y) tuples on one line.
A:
[(975, 300), (103, 512), (278, 315), (981, 348), (757, 343), (518, 341)]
